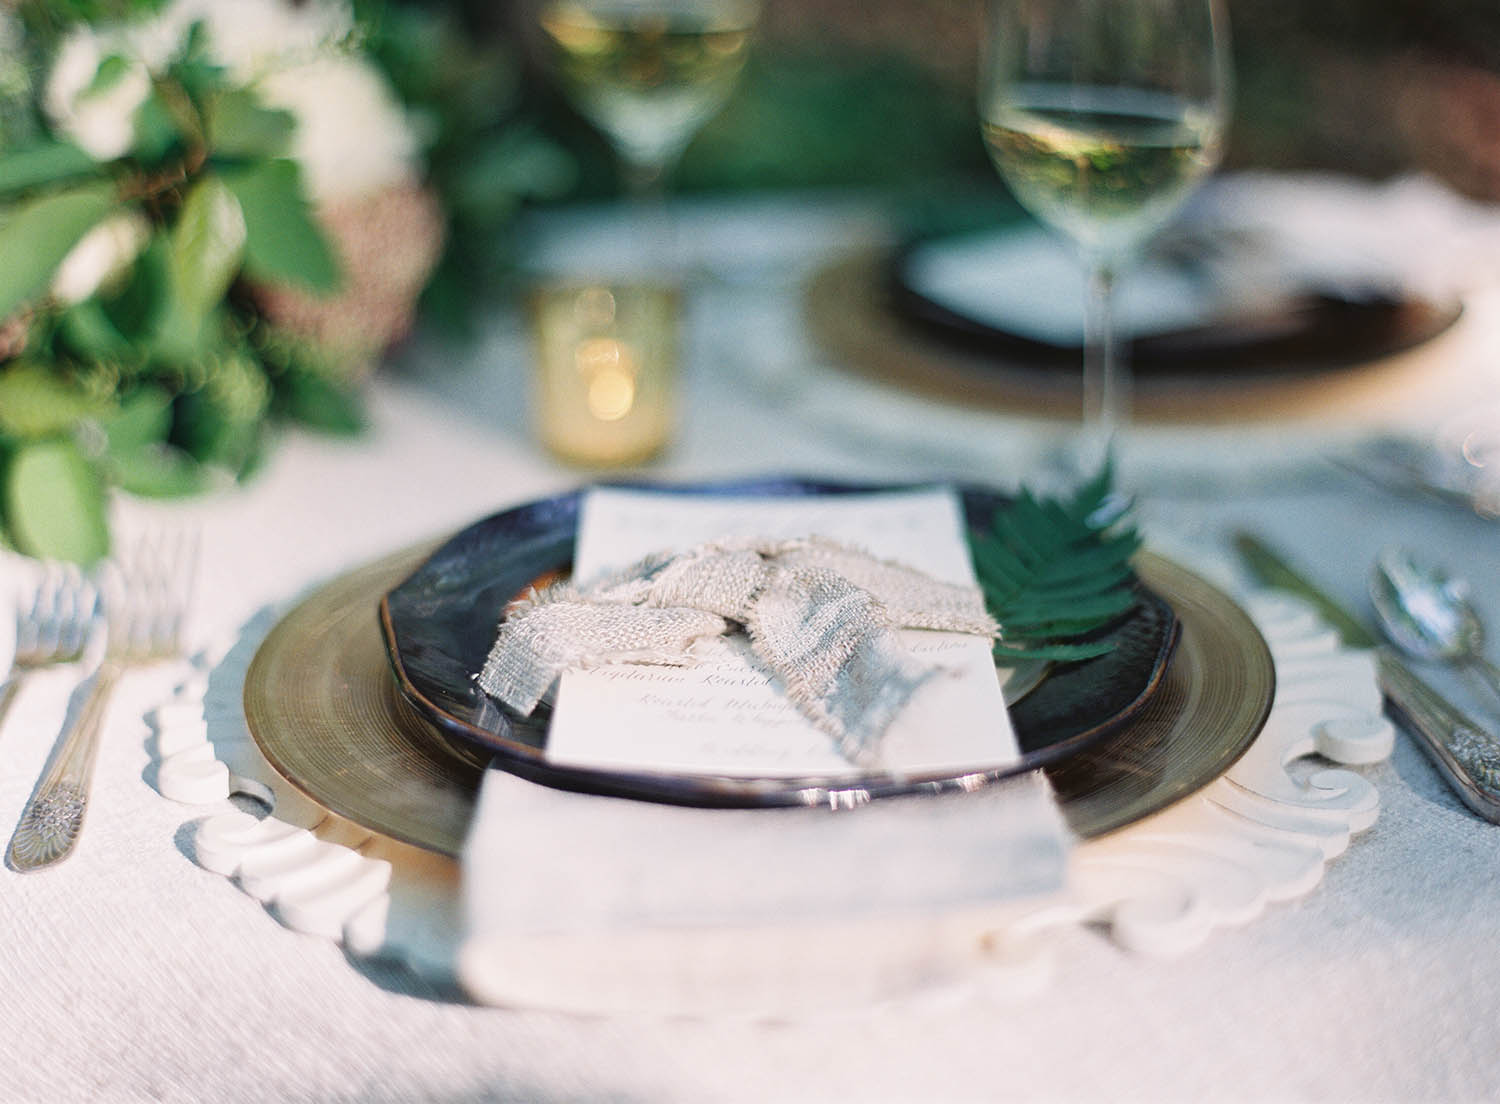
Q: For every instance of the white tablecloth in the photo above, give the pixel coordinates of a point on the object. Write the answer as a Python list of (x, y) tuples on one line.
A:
[(130, 973)]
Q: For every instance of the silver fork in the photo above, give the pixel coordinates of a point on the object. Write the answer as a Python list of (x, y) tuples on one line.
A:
[(146, 596), (54, 617)]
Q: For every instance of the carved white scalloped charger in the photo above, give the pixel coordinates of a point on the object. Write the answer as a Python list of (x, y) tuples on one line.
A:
[(1262, 833)]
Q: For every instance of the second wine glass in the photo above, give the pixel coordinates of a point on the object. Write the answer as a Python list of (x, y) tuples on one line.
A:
[(1101, 116), (648, 73)]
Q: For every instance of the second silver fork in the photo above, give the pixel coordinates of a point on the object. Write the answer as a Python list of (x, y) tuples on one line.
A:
[(146, 595), (55, 613)]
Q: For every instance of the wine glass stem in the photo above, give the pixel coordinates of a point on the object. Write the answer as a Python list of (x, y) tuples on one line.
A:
[(1106, 399), (645, 180), (646, 190)]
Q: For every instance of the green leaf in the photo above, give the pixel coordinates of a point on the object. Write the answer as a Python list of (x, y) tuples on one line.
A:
[(35, 402), (220, 422), (159, 133), (91, 334), (181, 337), (1096, 490), (45, 162), (1006, 654), (111, 71), (138, 308), (208, 244), (194, 70), (1042, 606), (1052, 577), (308, 386), (38, 235), (54, 503), (283, 242), (191, 276), (239, 125), (143, 419), (158, 471), (499, 172), (318, 402)]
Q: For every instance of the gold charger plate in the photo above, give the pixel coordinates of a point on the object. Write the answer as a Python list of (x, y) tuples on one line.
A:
[(323, 707), (849, 309)]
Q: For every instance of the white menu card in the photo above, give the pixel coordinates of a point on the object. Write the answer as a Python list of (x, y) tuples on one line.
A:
[(725, 714)]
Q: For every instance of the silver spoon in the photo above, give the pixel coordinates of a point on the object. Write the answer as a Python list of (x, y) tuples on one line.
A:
[(1428, 614)]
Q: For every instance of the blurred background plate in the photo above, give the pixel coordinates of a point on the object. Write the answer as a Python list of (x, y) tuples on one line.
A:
[(852, 311), (1018, 293)]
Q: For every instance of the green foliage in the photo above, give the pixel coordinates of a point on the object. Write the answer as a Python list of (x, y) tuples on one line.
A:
[(38, 233), (41, 163), (1052, 577), (219, 421), (282, 241), (315, 400), (812, 118), (206, 246), (50, 18), (143, 418), (35, 403), (136, 455), (240, 126), (151, 382), (54, 502), (306, 385), (488, 150)]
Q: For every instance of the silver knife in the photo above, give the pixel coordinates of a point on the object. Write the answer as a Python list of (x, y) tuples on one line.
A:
[(1465, 754)]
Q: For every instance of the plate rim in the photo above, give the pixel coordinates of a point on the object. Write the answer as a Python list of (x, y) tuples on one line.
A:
[(732, 791), (287, 718), (1171, 353)]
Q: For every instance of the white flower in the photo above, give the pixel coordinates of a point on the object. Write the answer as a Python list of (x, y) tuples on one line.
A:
[(253, 37), (103, 253), (100, 120), (352, 137)]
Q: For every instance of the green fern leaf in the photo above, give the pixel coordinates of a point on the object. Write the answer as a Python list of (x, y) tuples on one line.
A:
[(1059, 652), (1053, 576)]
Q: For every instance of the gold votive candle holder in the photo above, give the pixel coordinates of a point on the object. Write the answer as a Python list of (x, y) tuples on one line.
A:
[(605, 384)]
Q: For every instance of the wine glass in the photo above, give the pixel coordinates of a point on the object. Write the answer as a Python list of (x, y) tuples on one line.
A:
[(648, 73), (1102, 116)]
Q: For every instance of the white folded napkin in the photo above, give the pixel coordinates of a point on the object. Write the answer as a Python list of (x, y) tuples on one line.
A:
[(593, 903)]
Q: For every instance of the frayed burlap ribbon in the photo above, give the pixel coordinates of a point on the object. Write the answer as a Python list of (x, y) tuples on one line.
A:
[(820, 615)]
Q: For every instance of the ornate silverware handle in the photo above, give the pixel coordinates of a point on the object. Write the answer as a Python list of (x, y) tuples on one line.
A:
[(50, 823), (1466, 754)]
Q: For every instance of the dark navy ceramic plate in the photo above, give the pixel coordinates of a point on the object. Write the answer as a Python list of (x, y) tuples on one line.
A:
[(1306, 332), (439, 624)]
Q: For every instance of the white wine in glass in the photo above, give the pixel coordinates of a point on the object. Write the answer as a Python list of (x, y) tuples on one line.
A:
[(1102, 116), (648, 73)]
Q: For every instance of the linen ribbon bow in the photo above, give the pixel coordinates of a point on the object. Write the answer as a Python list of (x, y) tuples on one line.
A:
[(821, 616)]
